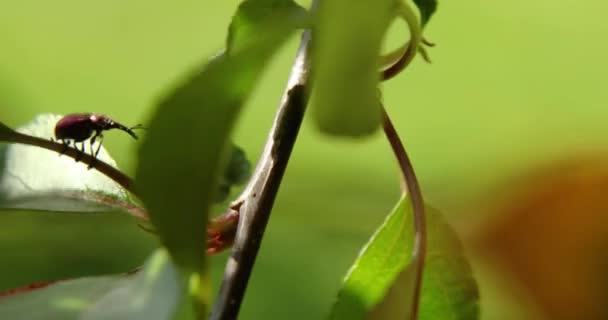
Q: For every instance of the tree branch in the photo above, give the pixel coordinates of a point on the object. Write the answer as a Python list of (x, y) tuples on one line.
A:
[(255, 203)]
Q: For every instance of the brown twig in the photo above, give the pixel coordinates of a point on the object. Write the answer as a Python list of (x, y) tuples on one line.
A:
[(221, 231), (413, 188), (256, 201)]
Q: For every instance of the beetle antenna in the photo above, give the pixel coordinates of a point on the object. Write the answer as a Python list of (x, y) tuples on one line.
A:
[(139, 126), (128, 130), (135, 127)]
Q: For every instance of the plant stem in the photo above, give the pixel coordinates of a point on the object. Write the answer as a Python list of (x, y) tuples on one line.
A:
[(255, 203), (407, 14), (413, 188), (9, 135)]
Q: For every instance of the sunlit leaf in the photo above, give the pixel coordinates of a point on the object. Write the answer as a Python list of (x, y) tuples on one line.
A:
[(252, 16), (449, 290), (348, 36), (380, 283), (152, 293), (38, 179), (387, 253)]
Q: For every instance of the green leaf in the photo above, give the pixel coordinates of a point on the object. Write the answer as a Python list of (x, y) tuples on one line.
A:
[(449, 290), (380, 283), (427, 9), (255, 15), (186, 146), (348, 37), (152, 293), (237, 172), (387, 253), (238, 168), (38, 179)]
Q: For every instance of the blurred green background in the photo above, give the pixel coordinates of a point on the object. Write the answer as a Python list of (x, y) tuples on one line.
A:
[(513, 84)]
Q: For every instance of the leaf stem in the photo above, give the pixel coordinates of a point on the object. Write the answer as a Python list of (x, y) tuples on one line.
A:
[(9, 135), (405, 12), (255, 202), (413, 188)]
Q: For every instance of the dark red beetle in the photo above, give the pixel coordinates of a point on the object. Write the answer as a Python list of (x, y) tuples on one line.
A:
[(78, 127)]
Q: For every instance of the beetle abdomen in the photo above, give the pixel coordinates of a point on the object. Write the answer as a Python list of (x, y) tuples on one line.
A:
[(77, 127)]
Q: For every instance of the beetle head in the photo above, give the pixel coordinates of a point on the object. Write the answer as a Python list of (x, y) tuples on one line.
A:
[(101, 120)]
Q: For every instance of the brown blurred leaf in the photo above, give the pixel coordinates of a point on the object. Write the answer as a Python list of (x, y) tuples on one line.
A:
[(552, 233)]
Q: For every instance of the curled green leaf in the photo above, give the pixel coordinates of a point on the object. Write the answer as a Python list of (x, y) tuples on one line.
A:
[(345, 96)]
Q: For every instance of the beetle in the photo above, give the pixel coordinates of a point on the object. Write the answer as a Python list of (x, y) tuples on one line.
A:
[(78, 127)]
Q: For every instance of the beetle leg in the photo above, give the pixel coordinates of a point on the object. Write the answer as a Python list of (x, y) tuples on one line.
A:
[(91, 143), (66, 144), (98, 146), (94, 154), (81, 151)]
